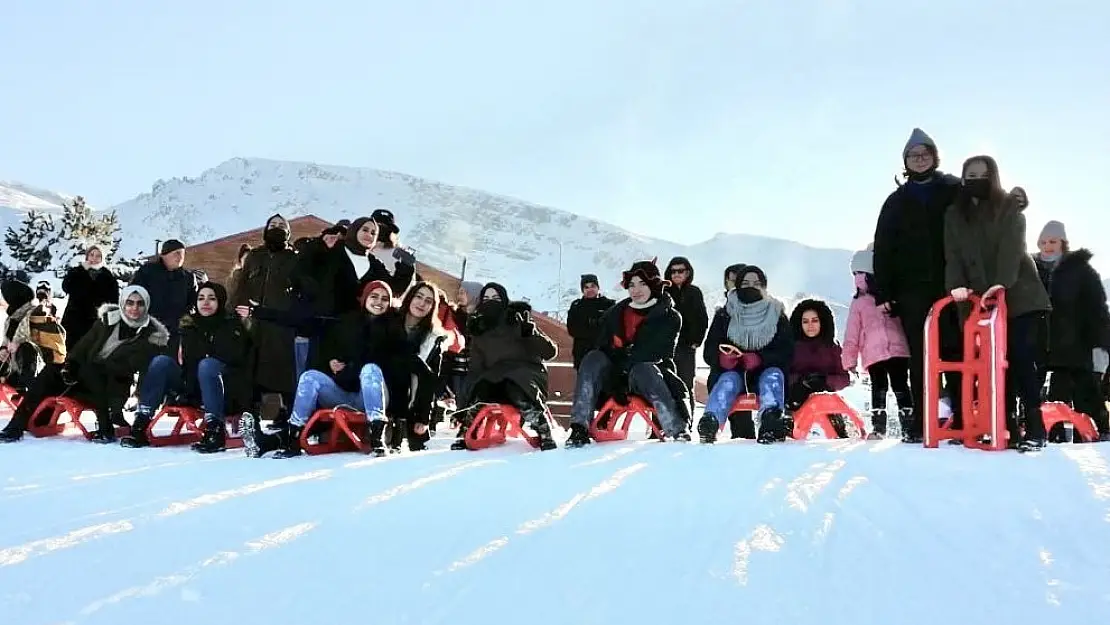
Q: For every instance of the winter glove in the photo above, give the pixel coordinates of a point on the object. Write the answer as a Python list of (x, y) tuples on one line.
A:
[(960, 294), (728, 360), (750, 361), (404, 256), (528, 328), (68, 377)]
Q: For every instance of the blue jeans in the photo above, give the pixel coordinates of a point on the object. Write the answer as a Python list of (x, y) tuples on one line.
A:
[(771, 385), (164, 375), (301, 347), (316, 389)]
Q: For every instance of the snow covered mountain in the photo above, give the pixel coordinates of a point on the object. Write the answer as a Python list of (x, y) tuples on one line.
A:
[(537, 251)]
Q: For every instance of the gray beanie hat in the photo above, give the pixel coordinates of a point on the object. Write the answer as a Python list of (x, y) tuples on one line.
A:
[(1053, 230), (918, 137), (863, 261)]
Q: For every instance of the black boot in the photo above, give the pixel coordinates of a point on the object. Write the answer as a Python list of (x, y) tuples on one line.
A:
[(395, 435), (771, 428), (579, 436), (105, 433), (255, 441), (377, 448), (460, 440), (11, 434), (878, 424), (215, 437), (543, 431), (290, 441), (138, 436), (708, 427)]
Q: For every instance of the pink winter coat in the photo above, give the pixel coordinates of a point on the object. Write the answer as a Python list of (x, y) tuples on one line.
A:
[(872, 335)]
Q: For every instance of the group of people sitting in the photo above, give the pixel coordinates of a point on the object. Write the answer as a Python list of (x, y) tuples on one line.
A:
[(344, 320)]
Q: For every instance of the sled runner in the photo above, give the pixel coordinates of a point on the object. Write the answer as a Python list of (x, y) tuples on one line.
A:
[(1056, 412), (8, 397), (817, 409), (344, 427), (983, 383), (189, 428), (495, 423), (618, 418), (47, 418)]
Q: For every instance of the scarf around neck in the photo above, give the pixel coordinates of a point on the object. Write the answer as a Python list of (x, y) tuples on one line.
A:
[(752, 326)]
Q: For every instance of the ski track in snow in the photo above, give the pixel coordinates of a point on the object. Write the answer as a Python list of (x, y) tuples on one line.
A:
[(817, 532)]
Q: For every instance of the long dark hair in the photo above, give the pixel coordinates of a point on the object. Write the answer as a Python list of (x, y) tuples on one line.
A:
[(869, 280), (824, 315), (997, 198), (431, 322)]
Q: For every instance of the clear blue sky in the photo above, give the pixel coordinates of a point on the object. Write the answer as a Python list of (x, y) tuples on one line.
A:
[(675, 118)]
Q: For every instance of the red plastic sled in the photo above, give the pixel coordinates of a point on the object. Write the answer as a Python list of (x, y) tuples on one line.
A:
[(620, 419), (817, 409), (341, 436), (983, 398), (42, 426), (7, 395), (494, 424), (189, 428), (1055, 412)]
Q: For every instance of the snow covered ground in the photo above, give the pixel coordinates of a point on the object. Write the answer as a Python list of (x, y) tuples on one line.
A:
[(645, 533)]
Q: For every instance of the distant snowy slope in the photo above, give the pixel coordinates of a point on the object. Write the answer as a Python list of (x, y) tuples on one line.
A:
[(510, 240)]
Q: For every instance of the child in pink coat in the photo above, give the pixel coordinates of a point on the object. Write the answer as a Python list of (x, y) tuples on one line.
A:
[(876, 340)]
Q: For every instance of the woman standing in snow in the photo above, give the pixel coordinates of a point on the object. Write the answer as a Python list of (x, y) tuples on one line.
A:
[(984, 243), (87, 286), (876, 340), (1079, 325), (398, 261)]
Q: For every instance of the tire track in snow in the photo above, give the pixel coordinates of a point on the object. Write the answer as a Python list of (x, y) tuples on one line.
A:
[(183, 576), (36, 548), (1094, 468), (282, 537), (799, 496), (605, 487)]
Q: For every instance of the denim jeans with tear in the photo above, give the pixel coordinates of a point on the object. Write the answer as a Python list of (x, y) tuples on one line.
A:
[(316, 389), (771, 387)]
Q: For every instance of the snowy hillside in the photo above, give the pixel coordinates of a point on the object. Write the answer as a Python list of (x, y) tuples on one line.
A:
[(823, 532), (18, 199), (503, 238)]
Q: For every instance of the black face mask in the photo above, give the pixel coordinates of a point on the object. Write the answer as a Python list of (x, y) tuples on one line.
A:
[(491, 309), (275, 237), (42, 296), (979, 188), (749, 294)]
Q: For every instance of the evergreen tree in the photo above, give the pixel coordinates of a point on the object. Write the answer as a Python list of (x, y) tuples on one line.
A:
[(82, 228), (30, 246)]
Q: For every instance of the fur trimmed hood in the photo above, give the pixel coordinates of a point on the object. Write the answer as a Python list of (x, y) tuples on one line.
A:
[(112, 314)]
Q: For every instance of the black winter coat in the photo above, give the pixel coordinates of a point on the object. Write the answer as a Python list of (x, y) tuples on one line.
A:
[(509, 349), (1079, 321), (265, 279), (86, 292), (172, 295), (225, 340), (326, 277), (655, 338), (690, 303), (909, 240), (777, 353), (358, 339), (114, 374), (584, 323)]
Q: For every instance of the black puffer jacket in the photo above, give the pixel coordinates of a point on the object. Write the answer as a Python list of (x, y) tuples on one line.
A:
[(690, 303), (909, 239), (1079, 321)]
